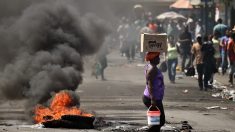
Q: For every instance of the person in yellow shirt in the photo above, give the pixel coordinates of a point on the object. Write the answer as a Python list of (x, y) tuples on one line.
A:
[(172, 58), (216, 45)]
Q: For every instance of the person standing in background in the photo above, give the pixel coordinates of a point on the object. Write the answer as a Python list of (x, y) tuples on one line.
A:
[(196, 51), (169, 27), (208, 52), (153, 26), (198, 29), (172, 58), (185, 40), (216, 45), (131, 42), (231, 56), (123, 32), (223, 45), (220, 27), (143, 30), (101, 58), (175, 31)]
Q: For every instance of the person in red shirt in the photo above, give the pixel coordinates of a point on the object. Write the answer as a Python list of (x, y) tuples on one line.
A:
[(153, 26), (231, 56)]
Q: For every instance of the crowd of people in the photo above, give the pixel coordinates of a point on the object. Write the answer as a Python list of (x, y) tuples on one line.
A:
[(215, 54), (209, 54), (188, 46)]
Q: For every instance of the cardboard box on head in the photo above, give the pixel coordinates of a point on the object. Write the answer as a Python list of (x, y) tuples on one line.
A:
[(153, 42)]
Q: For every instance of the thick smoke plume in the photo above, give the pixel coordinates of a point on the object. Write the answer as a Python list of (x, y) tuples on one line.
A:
[(42, 51)]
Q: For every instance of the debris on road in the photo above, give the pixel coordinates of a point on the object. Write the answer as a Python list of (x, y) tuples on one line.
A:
[(212, 107), (144, 128), (209, 114), (179, 76), (141, 65), (223, 108), (186, 127), (34, 126), (227, 94), (168, 128), (185, 91), (217, 107), (216, 95), (223, 91)]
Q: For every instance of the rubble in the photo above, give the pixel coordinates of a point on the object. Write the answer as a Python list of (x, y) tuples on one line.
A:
[(223, 91), (212, 107), (72, 122), (168, 128), (223, 108), (34, 126), (179, 76), (186, 127), (185, 91), (216, 95), (217, 107)]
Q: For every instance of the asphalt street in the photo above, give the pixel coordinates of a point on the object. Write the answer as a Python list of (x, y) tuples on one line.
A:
[(119, 100)]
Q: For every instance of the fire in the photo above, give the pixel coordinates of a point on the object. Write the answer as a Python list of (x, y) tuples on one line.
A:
[(62, 104)]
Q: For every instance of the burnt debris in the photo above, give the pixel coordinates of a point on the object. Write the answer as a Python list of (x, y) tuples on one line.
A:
[(71, 121)]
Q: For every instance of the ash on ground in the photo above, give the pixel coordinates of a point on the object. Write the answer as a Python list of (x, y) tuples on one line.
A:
[(122, 126)]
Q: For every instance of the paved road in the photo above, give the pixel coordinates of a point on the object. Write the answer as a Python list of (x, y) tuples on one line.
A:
[(119, 100)]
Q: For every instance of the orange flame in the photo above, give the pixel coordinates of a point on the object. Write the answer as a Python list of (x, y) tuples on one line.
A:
[(62, 104)]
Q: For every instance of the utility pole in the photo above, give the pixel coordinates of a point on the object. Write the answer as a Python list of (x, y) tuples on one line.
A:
[(206, 16)]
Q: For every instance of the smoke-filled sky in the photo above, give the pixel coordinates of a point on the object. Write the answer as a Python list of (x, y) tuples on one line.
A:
[(107, 9), (42, 50)]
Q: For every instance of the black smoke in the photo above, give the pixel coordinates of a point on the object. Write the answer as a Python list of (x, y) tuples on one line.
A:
[(42, 51)]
